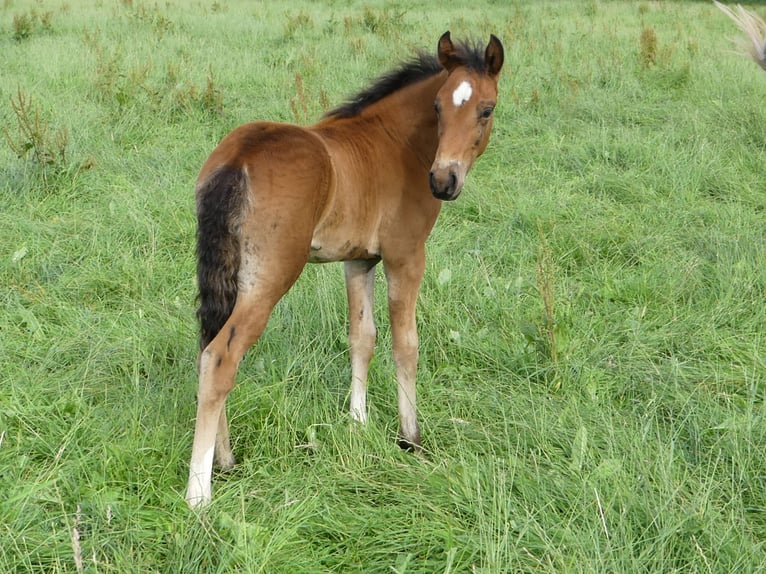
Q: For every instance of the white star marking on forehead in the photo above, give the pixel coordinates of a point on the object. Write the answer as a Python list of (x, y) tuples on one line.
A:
[(462, 93)]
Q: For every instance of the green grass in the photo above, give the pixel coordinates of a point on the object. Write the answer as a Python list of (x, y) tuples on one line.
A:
[(593, 334)]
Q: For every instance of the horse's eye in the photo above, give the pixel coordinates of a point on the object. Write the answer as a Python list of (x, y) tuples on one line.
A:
[(486, 113), (437, 108)]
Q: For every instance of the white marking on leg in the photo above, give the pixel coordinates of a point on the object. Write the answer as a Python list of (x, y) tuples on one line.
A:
[(199, 490), (462, 93), (360, 284), (358, 401), (408, 417)]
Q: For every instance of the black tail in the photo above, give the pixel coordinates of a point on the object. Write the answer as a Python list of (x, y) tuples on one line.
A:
[(220, 205)]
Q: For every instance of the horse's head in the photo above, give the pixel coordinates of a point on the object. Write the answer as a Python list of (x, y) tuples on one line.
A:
[(465, 106)]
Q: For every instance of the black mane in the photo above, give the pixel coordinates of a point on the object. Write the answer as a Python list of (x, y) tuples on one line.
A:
[(418, 68)]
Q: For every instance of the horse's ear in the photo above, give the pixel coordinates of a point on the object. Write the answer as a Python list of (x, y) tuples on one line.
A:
[(493, 56), (447, 54)]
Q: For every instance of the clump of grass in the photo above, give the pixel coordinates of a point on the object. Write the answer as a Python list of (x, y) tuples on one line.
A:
[(35, 137)]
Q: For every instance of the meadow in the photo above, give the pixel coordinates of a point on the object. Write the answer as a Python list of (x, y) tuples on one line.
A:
[(593, 333)]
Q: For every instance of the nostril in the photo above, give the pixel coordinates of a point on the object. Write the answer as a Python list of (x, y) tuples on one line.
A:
[(452, 180)]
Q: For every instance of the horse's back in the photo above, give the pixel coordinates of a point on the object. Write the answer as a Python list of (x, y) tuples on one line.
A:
[(278, 159)]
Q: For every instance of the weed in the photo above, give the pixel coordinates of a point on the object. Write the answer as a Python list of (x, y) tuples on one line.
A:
[(383, 22), (324, 100), (297, 23), (358, 44), (546, 287), (106, 79), (35, 136), (22, 26), (299, 106), (25, 24), (648, 47), (46, 20), (212, 97), (140, 86), (153, 17), (534, 98), (185, 96)]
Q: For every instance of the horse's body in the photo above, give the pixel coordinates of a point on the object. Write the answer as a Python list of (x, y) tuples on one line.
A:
[(354, 188)]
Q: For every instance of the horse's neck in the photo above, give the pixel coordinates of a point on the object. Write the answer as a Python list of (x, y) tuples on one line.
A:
[(410, 120), (403, 120)]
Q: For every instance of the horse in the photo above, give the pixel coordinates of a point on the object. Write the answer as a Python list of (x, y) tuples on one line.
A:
[(754, 28), (363, 185)]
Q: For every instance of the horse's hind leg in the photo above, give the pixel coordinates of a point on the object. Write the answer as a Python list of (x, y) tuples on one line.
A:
[(360, 286), (223, 455), (218, 369)]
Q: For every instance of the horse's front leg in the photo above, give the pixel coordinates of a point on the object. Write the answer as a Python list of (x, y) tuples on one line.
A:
[(360, 287), (404, 276)]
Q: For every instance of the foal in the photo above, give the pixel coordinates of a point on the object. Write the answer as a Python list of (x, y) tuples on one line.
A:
[(361, 186)]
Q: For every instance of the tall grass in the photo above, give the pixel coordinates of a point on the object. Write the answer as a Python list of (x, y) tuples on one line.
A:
[(592, 322)]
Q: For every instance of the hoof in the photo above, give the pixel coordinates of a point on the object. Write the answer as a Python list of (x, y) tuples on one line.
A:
[(197, 503), (406, 445), (225, 462), (410, 446)]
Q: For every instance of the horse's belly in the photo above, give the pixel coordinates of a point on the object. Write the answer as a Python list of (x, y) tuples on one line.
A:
[(326, 249)]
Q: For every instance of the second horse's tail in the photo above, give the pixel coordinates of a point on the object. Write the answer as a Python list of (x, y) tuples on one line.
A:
[(754, 28)]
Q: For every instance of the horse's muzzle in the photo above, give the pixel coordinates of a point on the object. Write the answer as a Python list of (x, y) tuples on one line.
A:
[(444, 186)]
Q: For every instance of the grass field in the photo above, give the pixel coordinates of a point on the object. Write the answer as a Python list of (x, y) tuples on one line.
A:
[(592, 323)]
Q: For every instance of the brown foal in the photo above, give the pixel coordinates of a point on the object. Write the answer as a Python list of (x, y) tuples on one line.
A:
[(363, 185)]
